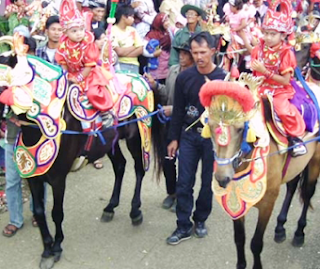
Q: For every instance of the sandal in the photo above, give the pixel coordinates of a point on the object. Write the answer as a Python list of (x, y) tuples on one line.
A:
[(34, 222), (98, 164), (10, 230)]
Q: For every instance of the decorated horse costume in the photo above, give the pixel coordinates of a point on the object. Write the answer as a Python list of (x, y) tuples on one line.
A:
[(248, 168), (37, 91)]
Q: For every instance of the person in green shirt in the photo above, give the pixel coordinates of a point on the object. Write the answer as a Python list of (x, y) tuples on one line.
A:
[(193, 15)]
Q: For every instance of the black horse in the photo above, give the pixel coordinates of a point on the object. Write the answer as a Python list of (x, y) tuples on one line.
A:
[(71, 146)]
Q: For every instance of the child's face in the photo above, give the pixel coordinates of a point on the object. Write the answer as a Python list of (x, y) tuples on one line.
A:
[(179, 25), (272, 38), (233, 9), (99, 42), (128, 20), (19, 3), (166, 24), (76, 34)]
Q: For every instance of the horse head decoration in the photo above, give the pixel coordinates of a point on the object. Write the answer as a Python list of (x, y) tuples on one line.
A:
[(230, 106)]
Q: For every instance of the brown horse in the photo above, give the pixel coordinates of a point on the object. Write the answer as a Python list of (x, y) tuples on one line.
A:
[(231, 106)]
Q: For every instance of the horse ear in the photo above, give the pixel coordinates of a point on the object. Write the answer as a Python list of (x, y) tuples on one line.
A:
[(251, 82)]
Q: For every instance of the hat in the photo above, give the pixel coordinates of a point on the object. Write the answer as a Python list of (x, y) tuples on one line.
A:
[(22, 30), (184, 46), (279, 21), (185, 9), (97, 3), (70, 16)]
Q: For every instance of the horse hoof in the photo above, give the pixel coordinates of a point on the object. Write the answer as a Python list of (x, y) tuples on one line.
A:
[(107, 216), (280, 237), (298, 241), (47, 263), (57, 256), (137, 221)]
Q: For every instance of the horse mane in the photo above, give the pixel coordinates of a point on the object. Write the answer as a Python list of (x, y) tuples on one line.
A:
[(266, 109)]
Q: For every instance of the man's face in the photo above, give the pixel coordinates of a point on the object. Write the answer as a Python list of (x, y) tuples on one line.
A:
[(201, 53), (98, 13), (54, 32), (185, 58), (192, 16)]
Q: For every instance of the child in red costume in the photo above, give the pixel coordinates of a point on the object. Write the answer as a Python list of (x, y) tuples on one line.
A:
[(78, 54), (274, 59)]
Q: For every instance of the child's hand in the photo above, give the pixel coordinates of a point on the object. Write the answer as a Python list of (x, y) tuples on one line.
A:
[(258, 66), (157, 53)]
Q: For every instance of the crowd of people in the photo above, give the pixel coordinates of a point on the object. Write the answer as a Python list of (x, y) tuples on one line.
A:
[(165, 42)]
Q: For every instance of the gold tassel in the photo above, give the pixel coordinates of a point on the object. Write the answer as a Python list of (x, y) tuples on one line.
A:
[(251, 136), (206, 133)]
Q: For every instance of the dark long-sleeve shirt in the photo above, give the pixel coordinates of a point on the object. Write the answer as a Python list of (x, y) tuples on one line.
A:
[(186, 106)]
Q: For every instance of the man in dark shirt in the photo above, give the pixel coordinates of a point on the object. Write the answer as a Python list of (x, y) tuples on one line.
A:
[(187, 109)]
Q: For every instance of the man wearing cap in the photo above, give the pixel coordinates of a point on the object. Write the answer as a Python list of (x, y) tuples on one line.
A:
[(185, 134), (98, 9), (193, 15), (166, 93)]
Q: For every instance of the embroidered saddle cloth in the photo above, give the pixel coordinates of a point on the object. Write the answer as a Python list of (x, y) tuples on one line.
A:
[(37, 89), (134, 98)]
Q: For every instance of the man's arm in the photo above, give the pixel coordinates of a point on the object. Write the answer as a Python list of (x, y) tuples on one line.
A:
[(124, 52), (178, 112)]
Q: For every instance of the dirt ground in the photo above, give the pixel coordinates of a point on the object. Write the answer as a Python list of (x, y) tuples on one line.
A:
[(90, 244)]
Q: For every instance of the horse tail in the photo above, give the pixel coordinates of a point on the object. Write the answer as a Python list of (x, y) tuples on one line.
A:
[(304, 187), (158, 134)]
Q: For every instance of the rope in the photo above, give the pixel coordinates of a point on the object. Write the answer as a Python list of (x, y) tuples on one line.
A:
[(280, 151), (98, 132)]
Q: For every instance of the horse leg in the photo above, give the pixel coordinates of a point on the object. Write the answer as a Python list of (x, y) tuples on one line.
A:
[(308, 188), (265, 209), (280, 231), (58, 189), (240, 239), (119, 163), (134, 146), (37, 191)]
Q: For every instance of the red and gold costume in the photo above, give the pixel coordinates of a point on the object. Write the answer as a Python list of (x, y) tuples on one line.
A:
[(280, 60), (78, 55)]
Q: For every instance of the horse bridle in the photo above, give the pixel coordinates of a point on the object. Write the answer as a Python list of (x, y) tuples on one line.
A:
[(235, 160)]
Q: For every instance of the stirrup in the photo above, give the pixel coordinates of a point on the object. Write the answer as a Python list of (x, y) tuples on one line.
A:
[(107, 119), (298, 150)]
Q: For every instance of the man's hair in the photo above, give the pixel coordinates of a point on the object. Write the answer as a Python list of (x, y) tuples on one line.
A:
[(51, 20), (124, 10), (31, 42), (204, 36)]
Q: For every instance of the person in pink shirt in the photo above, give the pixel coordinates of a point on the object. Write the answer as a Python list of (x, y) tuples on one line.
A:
[(237, 18)]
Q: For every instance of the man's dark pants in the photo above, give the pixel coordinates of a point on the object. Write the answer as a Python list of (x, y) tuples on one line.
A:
[(192, 148)]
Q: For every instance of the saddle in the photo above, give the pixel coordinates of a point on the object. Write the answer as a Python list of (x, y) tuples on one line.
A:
[(306, 107)]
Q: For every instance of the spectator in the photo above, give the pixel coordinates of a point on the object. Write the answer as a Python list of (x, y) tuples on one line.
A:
[(98, 8), (192, 146), (144, 16), (167, 93), (53, 33), (160, 30), (16, 7), (193, 15), (127, 43)]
